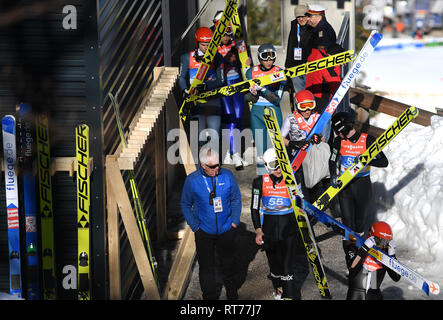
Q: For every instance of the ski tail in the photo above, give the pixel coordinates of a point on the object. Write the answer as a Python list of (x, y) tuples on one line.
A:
[(404, 271), (305, 229), (381, 142), (367, 49), (83, 208)]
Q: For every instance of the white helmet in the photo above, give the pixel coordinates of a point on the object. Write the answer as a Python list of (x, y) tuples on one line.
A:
[(270, 159)]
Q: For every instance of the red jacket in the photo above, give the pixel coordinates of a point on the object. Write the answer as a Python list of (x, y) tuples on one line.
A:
[(323, 83)]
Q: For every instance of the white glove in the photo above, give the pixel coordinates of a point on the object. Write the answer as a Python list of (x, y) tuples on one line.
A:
[(370, 242), (391, 247), (255, 88)]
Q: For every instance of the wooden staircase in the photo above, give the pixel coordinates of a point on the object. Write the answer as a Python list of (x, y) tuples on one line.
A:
[(146, 118)]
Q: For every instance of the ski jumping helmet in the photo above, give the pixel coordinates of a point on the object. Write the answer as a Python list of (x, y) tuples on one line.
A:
[(382, 233), (202, 34), (267, 51), (270, 159), (305, 100), (342, 122)]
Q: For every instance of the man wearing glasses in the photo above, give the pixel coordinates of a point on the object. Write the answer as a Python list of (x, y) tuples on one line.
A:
[(211, 205)]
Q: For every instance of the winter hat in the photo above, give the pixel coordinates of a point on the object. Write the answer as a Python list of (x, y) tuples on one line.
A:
[(300, 10)]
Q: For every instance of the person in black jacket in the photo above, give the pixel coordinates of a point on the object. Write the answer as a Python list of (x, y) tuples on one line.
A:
[(299, 44), (365, 272), (324, 34), (347, 146)]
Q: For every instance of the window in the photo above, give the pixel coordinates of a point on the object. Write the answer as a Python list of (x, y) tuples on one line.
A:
[(264, 22)]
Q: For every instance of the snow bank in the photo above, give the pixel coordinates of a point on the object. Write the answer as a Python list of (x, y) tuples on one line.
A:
[(409, 192)]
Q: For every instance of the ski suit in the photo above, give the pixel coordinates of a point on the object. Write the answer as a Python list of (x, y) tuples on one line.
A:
[(280, 230), (365, 278), (354, 199), (269, 97), (233, 106)]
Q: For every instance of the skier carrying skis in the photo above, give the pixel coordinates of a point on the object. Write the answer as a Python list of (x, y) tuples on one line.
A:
[(365, 272), (278, 234), (296, 128), (232, 106), (208, 114), (263, 97), (347, 146)]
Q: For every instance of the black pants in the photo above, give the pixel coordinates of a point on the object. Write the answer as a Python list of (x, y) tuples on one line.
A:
[(285, 257), (354, 200), (207, 246)]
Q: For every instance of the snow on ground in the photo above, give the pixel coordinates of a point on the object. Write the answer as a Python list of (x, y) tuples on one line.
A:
[(409, 192)]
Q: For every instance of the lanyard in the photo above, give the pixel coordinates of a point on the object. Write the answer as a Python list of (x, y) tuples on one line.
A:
[(207, 186), (298, 34)]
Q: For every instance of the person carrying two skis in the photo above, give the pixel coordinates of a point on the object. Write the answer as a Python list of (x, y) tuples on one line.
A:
[(366, 274), (277, 233)]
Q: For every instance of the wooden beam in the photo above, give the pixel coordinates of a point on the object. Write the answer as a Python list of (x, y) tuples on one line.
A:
[(391, 107), (118, 190), (113, 242)]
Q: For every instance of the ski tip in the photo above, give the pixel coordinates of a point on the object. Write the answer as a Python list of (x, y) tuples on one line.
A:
[(376, 38), (414, 111), (8, 124)]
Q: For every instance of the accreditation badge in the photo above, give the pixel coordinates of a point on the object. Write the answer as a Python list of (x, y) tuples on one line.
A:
[(218, 205), (297, 54)]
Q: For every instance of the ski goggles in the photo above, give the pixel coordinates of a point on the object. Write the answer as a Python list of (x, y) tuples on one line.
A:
[(267, 55), (228, 31), (380, 242), (273, 165), (306, 105)]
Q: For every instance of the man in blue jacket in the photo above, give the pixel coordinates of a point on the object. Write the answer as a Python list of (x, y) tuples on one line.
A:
[(211, 205)]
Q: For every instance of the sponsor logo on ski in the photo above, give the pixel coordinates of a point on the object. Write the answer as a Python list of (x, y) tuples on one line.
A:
[(355, 70), (332, 105), (401, 270), (392, 131), (13, 218), (202, 71), (280, 149), (221, 28)]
